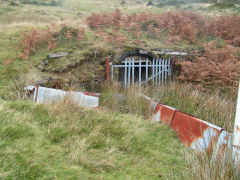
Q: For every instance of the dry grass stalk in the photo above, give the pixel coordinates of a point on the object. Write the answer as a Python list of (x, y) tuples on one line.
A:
[(209, 106), (129, 102)]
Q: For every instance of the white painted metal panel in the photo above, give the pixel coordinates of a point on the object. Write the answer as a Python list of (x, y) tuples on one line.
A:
[(49, 95)]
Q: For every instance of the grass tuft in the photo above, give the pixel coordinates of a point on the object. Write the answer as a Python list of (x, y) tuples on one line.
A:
[(212, 107), (62, 140), (128, 102)]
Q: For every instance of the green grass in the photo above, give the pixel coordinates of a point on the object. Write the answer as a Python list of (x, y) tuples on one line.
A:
[(63, 141), (68, 142), (214, 106), (14, 19), (9, 45), (75, 9)]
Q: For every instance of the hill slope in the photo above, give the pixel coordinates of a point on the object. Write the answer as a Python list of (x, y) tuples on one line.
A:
[(63, 141)]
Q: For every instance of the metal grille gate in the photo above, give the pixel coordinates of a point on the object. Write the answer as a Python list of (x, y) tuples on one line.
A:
[(158, 71)]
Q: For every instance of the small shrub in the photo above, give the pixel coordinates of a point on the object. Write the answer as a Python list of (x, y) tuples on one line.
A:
[(150, 3), (217, 67), (13, 3), (53, 3), (50, 36), (123, 2), (225, 27), (36, 38), (7, 61), (224, 5), (56, 134), (41, 2)]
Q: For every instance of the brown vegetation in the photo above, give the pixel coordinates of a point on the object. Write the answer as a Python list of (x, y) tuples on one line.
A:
[(7, 61), (217, 66), (227, 28), (181, 25), (49, 37)]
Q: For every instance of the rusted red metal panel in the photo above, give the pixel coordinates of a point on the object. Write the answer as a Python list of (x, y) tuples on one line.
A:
[(36, 95), (164, 114), (91, 94), (195, 133), (192, 131)]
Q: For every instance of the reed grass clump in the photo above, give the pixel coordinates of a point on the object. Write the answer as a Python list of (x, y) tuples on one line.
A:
[(128, 102), (211, 106)]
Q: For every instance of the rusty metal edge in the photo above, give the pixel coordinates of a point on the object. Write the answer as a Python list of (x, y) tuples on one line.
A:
[(217, 128)]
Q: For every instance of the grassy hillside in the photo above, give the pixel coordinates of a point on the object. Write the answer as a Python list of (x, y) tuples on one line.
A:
[(48, 10), (214, 40), (117, 140), (89, 39), (215, 106), (63, 141)]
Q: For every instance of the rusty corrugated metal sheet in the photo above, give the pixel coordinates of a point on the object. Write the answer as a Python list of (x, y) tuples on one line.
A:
[(192, 131), (91, 94), (164, 114), (195, 133)]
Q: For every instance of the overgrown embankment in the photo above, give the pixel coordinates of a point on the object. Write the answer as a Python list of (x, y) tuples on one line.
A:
[(66, 141), (212, 106), (215, 41)]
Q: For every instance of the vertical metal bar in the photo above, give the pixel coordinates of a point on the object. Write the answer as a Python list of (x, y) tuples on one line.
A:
[(166, 72), (140, 72), (129, 71), (236, 132), (133, 71), (111, 73), (170, 69), (163, 71), (156, 70), (159, 71), (167, 67), (125, 74), (153, 70), (147, 72)]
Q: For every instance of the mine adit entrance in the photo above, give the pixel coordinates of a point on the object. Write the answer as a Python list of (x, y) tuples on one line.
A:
[(142, 68)]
